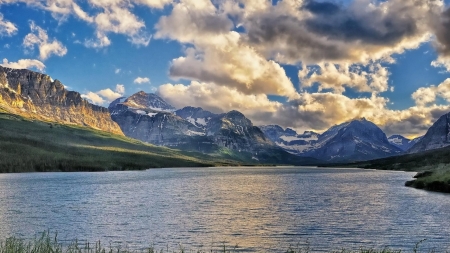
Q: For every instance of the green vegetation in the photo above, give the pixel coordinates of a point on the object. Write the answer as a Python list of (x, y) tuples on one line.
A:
[(437, 179), (28, 146), (47, 244), (436, 161)]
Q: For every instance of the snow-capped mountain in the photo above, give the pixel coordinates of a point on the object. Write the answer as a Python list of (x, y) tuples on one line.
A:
[(402, 142), (356, 140), (196, 115), (437, 136), (289, 139), (148, 101), (149, 118)]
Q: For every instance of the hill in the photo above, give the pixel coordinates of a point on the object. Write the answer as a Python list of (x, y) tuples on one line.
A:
[(28, 146)]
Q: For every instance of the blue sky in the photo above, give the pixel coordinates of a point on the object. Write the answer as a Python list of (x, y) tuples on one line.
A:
[(301, 64)]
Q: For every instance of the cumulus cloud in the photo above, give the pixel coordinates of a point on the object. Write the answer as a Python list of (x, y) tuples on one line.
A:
[(24, 64), (7, 28), (93, 98), (307, 111), (215, 98), (425, 96), (47, 47), (116, 17), (159, 4), (219, 55), (141, 80), (101, 97), (442, 43), (371, 78), (113, 16), (313, 32)]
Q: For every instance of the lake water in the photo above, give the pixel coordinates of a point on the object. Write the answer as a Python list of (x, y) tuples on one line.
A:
[(257, 209)]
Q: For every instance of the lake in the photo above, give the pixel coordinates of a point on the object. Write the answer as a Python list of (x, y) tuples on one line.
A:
[(257, 209)]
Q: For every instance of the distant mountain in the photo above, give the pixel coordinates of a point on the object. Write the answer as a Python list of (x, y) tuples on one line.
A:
[(196, 116), (437, 136), (289, 139), (148, 101), (149, 118), (37, 96), (402, 142), (357, 140)]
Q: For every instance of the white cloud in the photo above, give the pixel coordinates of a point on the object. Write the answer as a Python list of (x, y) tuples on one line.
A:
[(24, 64), (47, 47), (219, 55), (159, 4), (101, 97), (425, 96), (141, 80), (307, 111), (442, 62), (109, 94), (117, 71), (120, 88), (100, 41), (94, 98), (106, 16), (370, 78), (7, 28)]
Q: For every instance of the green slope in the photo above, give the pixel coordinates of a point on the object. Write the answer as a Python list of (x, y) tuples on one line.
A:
[(436, 161), (38, 146)]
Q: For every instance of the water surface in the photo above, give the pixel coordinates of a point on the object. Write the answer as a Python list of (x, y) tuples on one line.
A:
[(257, 209)]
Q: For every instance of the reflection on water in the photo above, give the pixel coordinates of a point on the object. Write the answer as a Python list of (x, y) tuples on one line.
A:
[(257, 209)]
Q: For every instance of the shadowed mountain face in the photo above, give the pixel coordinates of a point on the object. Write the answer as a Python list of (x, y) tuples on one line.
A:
[(351, 141), (149, 118), (38, 96), (437, 136)]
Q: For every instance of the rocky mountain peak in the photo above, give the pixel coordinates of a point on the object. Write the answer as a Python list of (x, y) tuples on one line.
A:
[(437, 136), (36, 95), (150, 101)]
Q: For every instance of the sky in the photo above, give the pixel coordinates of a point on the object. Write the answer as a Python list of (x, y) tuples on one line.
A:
[(303, 64)]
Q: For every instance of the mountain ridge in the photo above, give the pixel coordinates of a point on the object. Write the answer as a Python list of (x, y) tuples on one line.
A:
[(350, 141), (37, 96)]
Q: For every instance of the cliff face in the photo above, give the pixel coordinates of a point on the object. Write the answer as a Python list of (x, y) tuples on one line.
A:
[(38, 96), (437, 136)]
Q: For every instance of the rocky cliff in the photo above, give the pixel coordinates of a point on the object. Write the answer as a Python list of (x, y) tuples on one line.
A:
[(437, 136), (38, 96)]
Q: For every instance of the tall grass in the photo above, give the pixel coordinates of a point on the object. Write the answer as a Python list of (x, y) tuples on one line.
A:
[(47, 243)]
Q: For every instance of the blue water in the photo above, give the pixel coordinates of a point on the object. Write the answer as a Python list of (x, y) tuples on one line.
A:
[(257, 209)]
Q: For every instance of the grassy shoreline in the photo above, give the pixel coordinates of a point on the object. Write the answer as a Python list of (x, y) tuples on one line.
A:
[(36, 146), (436, 162), (46, 243)]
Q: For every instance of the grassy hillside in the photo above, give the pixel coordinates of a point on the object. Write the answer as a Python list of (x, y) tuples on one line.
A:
[(437, 162), (38, 146)]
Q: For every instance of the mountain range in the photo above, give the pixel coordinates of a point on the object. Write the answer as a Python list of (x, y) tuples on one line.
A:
[(351, 141), (149, 118)]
